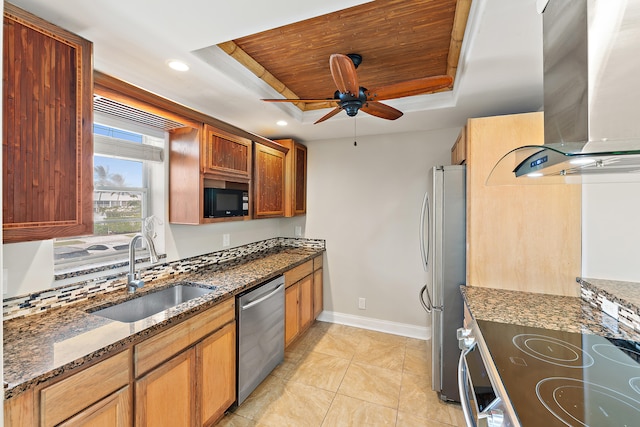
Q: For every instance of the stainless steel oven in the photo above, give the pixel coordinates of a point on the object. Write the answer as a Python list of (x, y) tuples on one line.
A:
[(482, 396)]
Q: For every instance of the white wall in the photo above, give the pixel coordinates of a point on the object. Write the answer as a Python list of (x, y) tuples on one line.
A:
[(611, 231), (365, 201)]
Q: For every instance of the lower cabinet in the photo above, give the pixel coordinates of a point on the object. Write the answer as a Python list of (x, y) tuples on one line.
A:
[(112, 411), (166, 396), (302, 298), (216, 360)]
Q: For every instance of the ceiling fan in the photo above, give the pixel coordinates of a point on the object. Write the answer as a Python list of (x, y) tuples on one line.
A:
[(352, 97)]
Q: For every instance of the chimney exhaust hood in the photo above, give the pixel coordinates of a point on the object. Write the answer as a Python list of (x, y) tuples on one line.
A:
[(591, 52)]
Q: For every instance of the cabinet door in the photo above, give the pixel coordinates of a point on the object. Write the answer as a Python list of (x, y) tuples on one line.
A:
[(226, 155), (112, 411), (306, 302), (167, 395), (291, 314), (299, 189), (217, 373), (268, 187), (47, 185), (317, 293)]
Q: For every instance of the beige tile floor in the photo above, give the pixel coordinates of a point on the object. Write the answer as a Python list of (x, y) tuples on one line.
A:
[(336, 375)]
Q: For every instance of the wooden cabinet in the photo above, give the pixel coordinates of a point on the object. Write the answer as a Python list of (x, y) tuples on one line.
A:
[(268, 182), (524, 237), (225, 155), (459, 149), (205, 157), (104, 395), (112, 411), (318, 293), (303, 298), (216, 359), (166, 396), (186, 374), (295, 181), (47, 182)]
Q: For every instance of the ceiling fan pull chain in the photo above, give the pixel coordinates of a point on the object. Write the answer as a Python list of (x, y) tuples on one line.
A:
[(355, 133)]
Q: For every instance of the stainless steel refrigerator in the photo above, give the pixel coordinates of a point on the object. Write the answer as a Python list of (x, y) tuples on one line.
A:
[(443, 247)]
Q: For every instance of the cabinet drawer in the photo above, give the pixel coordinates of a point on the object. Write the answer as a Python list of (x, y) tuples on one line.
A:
[(317, 263), (297, 273), (161, 347), (62, 400)]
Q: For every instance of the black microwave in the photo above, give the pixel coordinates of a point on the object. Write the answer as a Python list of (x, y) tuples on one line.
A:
[(225, 202)]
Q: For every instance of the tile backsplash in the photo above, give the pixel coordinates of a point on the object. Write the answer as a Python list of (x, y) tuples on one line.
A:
[(37, 302)]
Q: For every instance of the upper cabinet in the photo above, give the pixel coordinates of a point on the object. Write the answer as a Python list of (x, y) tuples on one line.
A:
[(459, 149), (226, 155), (268, 181), (205, 157), (295, 178), (47, 124)]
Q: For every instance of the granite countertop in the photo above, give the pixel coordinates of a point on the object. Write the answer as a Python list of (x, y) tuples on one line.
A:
[(42, 346), (562, 313)]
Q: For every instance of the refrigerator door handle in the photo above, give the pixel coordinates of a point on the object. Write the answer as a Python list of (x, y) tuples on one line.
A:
[(427, 305), (425, 213)]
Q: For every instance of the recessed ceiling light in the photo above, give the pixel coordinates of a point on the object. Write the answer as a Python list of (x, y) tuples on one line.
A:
[(178, 65), (281, 123), (534, 175)]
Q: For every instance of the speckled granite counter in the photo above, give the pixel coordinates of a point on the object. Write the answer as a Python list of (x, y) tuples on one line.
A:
[(40, 347), (571, 314)]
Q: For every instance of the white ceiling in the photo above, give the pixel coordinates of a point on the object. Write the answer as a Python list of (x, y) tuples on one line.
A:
[(500, 69)]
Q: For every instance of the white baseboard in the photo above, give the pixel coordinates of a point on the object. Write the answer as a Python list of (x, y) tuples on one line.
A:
[(403, 329)]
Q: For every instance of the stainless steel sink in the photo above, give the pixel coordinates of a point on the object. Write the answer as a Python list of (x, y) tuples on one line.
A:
[(152, 303)]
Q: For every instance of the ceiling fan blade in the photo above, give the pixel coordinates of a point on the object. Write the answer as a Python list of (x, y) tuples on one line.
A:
[(328, 115), (344, 74), (410, 88), (381, 110), (300, 100)]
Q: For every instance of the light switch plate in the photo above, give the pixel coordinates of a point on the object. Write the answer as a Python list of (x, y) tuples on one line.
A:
[(298, 231)]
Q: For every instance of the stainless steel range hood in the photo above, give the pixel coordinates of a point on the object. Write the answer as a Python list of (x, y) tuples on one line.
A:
[(591, 96)]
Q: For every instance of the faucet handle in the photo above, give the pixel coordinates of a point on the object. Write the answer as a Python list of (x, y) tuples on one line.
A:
[(135, 284)]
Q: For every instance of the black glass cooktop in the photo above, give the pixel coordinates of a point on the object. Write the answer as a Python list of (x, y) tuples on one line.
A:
[(556, 378)]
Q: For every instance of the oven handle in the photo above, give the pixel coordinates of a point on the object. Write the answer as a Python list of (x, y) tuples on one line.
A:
[(258, 301), (463, 385)]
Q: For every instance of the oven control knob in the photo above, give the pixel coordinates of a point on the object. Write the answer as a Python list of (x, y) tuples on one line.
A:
[(493, 418)]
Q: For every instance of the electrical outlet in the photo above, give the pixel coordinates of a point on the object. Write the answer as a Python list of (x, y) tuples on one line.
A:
[(5, 280), (362, 303), (225, 240), (298, 231)]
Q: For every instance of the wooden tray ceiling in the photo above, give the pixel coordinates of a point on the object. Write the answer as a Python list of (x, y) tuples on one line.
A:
[(399, 40)]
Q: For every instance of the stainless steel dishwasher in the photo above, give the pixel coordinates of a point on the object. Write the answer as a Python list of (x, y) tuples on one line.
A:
[(260, 334)]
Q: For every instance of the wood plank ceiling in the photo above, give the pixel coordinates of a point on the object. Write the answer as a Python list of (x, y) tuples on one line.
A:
[(399, 40)]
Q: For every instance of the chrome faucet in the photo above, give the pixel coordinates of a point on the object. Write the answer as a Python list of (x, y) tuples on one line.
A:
[(133, 279)]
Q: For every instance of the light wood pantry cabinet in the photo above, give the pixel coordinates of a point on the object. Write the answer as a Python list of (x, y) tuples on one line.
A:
[(200, 158), (522, 237), (295, 182), (268, 181), (303, 298), (47, 188)]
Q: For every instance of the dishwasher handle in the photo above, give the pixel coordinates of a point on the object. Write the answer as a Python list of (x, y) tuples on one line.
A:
[(264, 298)]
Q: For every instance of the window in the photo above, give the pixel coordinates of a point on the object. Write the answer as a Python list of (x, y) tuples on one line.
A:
[(124, 161)]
